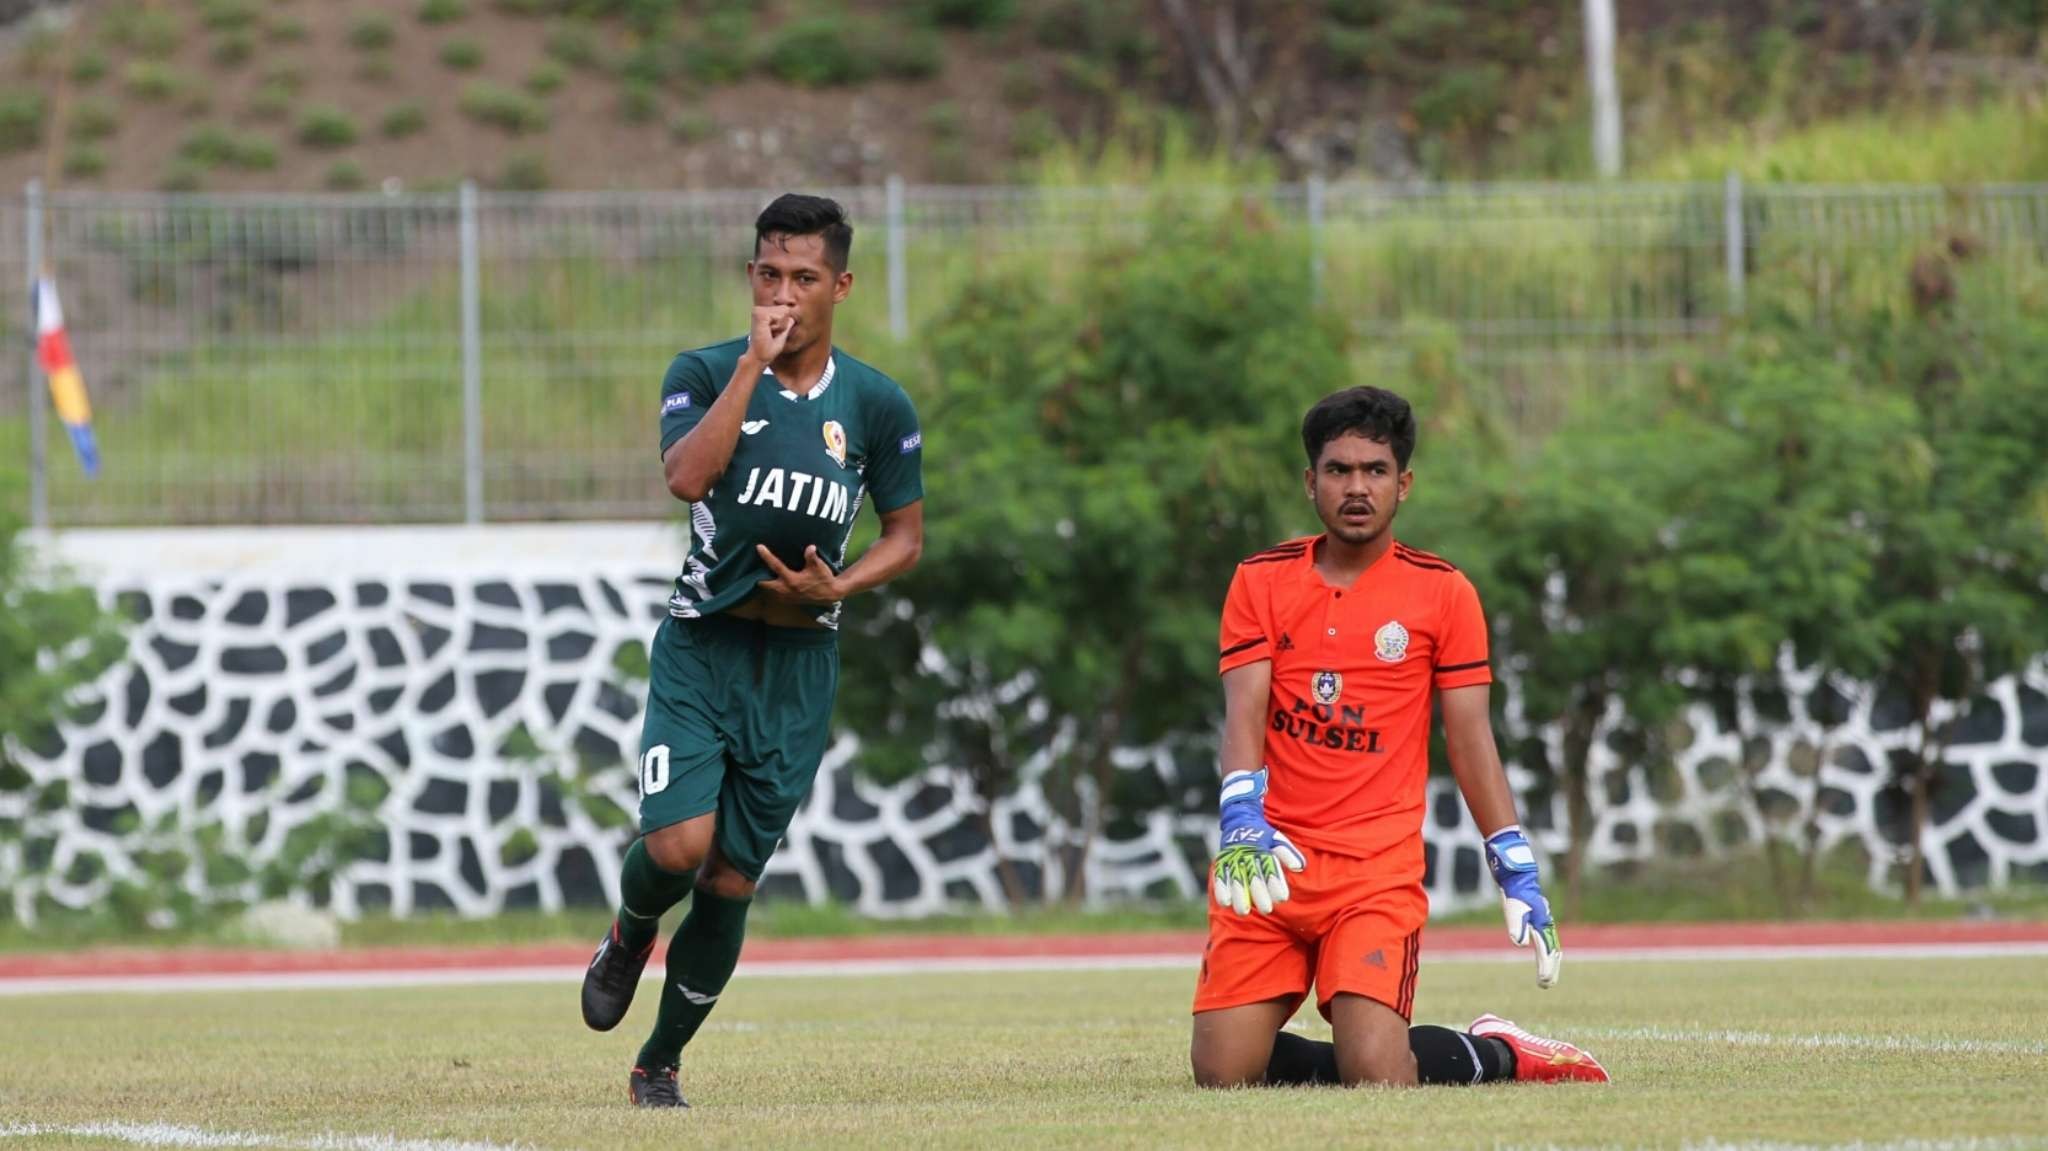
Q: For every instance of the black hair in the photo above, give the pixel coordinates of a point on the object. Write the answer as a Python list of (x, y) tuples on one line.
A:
[(1375, 413), (793, 214)]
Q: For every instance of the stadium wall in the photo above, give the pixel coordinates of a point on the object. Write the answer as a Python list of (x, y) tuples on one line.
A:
[(423, 718)]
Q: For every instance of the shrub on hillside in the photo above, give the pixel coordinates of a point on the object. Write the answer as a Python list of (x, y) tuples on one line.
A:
[(722, 51), (85, 162), (93, 120), (371, 32), (462, 55), (442, 11), (524, 172), (573, 44), (21, 121), (150, 32), (150, 80), (233, 49), (502, 107), (966, 13), (89, 68), (344, 176), (405, 120), (326, 127), (545, 78), (227, 15)]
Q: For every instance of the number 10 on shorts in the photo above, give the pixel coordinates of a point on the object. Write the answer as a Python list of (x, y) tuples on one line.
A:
[(654, 770)]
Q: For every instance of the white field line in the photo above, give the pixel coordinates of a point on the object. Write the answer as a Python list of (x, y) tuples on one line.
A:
[(1958, 1143), (1821, 1041), (806, 969), (169, 1135)]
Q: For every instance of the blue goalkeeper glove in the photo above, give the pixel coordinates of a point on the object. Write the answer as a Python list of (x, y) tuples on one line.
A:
[(1513, 863), (1253, 859)]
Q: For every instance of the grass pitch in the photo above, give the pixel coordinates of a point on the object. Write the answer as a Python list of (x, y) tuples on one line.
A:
[(1949, 1053)]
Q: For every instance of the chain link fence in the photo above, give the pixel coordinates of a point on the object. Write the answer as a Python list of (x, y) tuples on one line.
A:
[(323, 359)]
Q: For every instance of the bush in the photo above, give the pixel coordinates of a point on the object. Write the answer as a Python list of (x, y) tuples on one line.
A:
[(502, 107), (149, 80), (89, 68), (213, 146), (344, 176), (819, 52), (271, 101), (233, 50), (967, 13), (573, 44), (285, 30), (371, 33), (326, 127), (21, 121), (85, 162), (150, 32), (545, 78), (723, 51), (462, 55), (831, 50), (691, 127), (93, 120), (227, 15), (638, 103), (405, 120), (57, 641), (907, 54), (182, 176), (527, 7), (374, 67), (442, 11), (286, 77), (524, 172)]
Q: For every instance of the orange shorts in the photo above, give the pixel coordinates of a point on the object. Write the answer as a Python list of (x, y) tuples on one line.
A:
[(1350, 924)]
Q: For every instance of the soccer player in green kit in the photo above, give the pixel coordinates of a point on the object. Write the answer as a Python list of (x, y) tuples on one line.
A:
[(775, 440)]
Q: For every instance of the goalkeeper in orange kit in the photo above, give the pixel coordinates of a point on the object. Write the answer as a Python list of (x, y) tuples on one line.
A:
[(1333, 649)]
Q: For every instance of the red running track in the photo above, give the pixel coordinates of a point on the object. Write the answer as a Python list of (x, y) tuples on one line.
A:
[(1589, 941)]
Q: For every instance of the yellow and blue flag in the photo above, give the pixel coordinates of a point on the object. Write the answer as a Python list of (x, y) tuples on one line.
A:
[(67, 387)]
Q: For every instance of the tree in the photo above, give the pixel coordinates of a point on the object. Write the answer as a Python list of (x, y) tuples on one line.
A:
[(1106, 442), (1963, 570), (1770, 557), (54, 639)]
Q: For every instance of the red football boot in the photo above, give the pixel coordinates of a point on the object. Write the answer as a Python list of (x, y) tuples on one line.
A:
[(1540, 1059)]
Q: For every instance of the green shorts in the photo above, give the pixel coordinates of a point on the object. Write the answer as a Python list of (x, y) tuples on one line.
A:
[(738, 717)]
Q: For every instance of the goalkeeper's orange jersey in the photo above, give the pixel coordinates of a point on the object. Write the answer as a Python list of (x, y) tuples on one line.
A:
[(1354, 675)]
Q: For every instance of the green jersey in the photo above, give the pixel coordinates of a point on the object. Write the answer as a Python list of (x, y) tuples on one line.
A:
[(800, 470)]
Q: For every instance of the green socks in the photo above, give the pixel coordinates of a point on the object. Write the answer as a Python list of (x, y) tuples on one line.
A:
[(645, 893), (700, 960)]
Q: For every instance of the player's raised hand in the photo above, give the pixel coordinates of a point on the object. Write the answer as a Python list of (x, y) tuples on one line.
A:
[(1513, 863), (770, 332), (814, 583), (1254, 857)]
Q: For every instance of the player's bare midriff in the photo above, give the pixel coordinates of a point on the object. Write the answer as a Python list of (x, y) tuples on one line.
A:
[(775, 612)]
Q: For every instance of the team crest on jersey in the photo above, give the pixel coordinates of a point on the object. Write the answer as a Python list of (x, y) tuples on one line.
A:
[(835, 442), (1326, 686), (1390, 643)]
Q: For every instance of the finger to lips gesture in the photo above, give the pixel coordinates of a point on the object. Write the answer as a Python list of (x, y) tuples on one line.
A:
[(811, 584), (772, 325)]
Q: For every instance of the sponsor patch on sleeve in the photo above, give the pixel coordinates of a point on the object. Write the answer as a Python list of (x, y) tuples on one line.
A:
[(675, 403), (912, 442)]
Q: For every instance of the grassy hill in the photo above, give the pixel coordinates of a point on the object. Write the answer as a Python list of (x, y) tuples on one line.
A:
[(311, 94)]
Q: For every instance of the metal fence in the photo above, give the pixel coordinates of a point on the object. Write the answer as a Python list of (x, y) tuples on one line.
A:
[(469, 356)]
